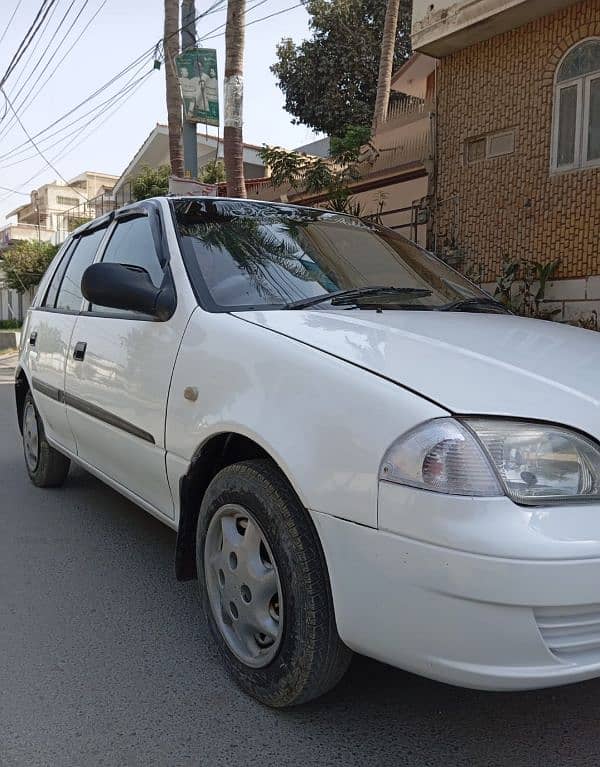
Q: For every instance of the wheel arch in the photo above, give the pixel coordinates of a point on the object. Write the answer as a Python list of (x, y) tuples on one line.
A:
[(217, 452)]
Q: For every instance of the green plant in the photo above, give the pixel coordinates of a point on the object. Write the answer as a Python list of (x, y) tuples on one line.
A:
[(151, 182), (505, 282), (521, 286), (25, 262), (77, 221), (587, 323), (330, 177), (213, 172), (9, 324)]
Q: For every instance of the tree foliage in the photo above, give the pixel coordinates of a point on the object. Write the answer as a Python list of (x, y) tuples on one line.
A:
[(151, 182), (213, 172), (330, 177), (25, 262), (330, 81), (75, 222)]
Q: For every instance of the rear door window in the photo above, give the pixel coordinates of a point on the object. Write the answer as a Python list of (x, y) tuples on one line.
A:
[(69, 295), (52, 292)]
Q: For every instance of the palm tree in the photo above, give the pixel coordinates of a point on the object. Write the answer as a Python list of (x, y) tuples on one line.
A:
[(386, 63), (171, 49), (233, 147)]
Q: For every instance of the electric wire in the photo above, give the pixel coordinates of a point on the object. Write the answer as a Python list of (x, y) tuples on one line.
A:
[(66, 151), (214, 8), (210, 36), (10, 21), (37, 64), (30, 35), (39, 151), (99, 109), (38, 42)]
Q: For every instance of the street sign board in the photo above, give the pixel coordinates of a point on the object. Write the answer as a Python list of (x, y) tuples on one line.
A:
[(197, 73)]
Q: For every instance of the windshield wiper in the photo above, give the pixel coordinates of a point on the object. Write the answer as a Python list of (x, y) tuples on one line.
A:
[(344, 297), (475, 305)]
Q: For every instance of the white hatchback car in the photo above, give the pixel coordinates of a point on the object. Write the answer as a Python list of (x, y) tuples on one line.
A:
[(358, 448)]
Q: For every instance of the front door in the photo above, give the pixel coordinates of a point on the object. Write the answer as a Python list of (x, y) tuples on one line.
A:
[(119, 372)]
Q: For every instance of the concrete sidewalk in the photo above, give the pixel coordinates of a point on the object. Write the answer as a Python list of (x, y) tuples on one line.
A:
[(8, 363)]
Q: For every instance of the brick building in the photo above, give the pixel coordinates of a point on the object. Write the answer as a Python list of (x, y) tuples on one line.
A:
[(518, 137)]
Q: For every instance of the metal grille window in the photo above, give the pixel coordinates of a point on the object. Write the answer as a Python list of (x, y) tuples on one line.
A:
[(576, 127), (72, 201)]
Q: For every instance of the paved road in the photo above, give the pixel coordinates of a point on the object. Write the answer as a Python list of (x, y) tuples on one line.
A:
[(105, 661)]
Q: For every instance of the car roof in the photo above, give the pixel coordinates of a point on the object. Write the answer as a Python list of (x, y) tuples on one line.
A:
[(281, 206)]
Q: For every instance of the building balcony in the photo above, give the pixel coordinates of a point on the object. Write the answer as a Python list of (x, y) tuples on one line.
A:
[(442, 27), (22, 231)]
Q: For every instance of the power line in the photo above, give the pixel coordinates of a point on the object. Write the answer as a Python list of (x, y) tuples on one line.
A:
[(14, 191), (73, 44), (69, 149), (97, 92), (40, 37), (221, 26), (28, 39), (39, 151), (10, 21), (210, 36), (214, 8), (37, 63), (98, 109), (27, 100)]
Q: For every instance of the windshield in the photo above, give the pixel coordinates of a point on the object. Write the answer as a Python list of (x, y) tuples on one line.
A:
[(246, 255)]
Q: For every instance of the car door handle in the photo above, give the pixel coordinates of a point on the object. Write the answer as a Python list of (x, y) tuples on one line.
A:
[(79, 351), (33, 338)]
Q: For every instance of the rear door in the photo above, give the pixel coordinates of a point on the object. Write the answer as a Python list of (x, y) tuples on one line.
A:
[(49, 333), (119, 371)]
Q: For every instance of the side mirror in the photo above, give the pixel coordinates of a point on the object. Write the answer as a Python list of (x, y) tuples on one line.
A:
[(128, 287)]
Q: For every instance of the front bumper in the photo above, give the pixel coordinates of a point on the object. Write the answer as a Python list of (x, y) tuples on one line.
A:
[(475, 620)]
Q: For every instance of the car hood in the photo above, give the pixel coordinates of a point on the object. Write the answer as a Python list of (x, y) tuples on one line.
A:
[(468, 363)]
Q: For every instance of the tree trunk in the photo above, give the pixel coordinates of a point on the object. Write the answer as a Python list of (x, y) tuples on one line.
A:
[(233, 147), (171, 48), (386, 64)]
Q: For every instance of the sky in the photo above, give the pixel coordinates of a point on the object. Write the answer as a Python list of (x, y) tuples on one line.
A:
[(106, 140)]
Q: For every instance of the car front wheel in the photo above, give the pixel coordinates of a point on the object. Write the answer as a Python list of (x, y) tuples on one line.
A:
[(45, 465), (265, 588)]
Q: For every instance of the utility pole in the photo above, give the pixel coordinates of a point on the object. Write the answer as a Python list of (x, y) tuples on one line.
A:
[(188, 40), (36, 204), (171, 48), (233, 147)]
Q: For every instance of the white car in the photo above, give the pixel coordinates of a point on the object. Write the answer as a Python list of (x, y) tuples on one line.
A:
[(359, 449)]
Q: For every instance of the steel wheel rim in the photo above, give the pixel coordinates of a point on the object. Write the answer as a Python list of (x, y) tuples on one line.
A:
[(243, 585), (31, 440)]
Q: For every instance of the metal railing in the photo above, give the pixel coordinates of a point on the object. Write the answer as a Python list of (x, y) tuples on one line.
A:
[(408, 110), (93, 208), (404, 150)]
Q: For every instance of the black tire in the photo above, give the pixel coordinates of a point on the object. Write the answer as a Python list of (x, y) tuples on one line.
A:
[(51, 467), (311, 658)]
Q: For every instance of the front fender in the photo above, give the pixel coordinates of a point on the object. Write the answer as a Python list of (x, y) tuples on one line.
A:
[(326, 422)]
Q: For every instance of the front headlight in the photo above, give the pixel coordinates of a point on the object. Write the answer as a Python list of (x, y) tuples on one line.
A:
[(531, 463), (443, 456), (538, 463)]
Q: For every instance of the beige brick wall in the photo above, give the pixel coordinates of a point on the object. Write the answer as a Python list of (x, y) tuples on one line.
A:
[(514, 206)]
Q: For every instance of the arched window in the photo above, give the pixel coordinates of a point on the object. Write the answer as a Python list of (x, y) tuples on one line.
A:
[(576, 130)]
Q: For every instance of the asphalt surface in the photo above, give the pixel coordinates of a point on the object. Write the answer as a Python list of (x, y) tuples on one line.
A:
[(104, 660)]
